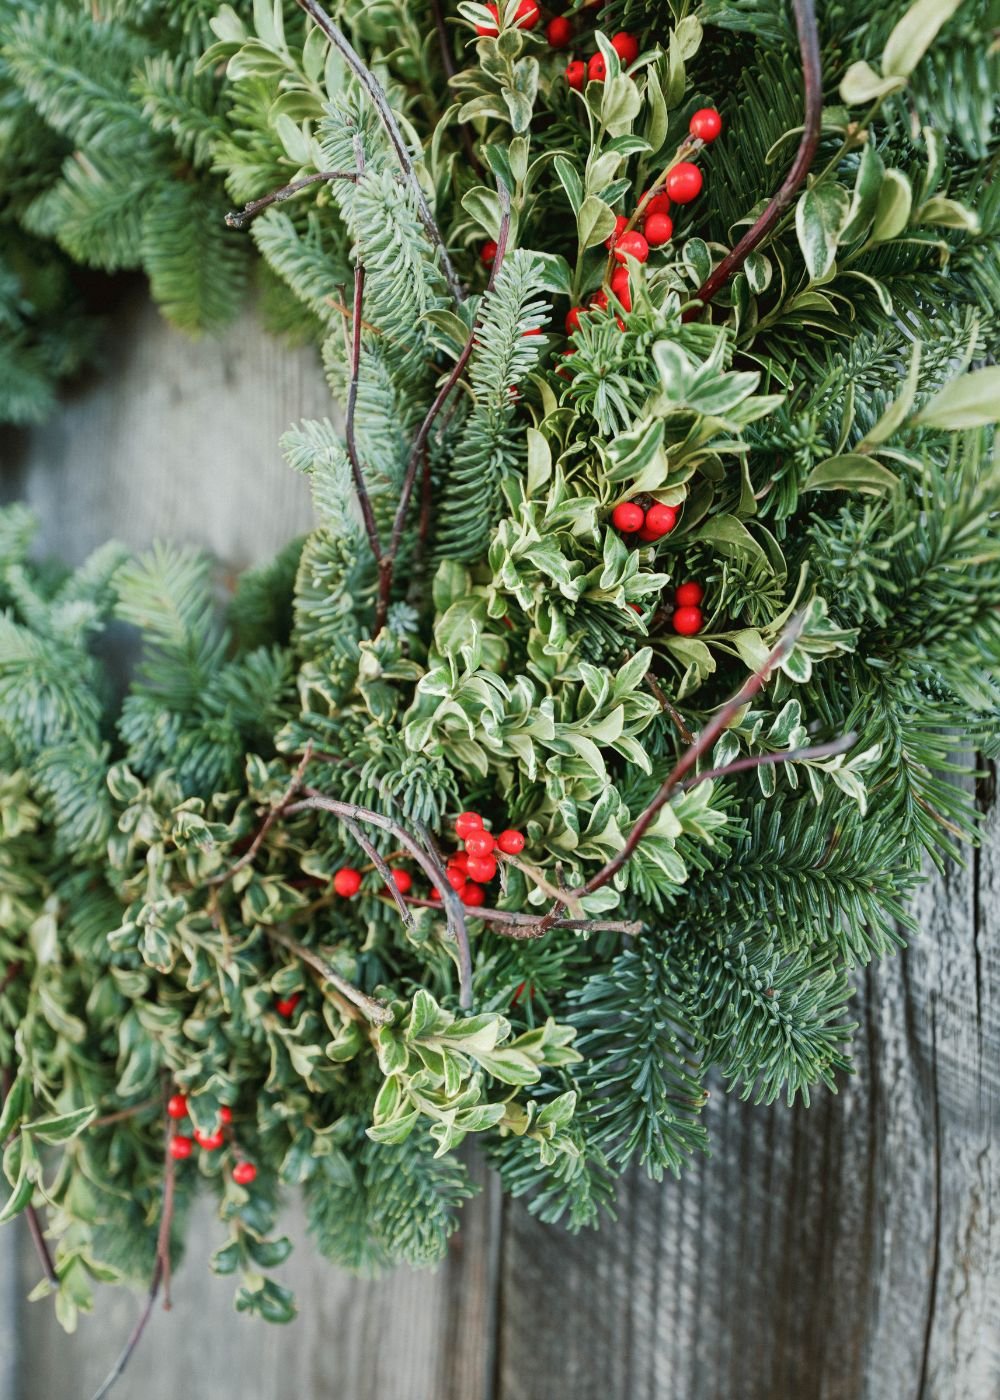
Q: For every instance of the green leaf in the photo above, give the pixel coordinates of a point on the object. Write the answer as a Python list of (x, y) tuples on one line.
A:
[(595, 221), (897, 411), (862, 84), (61, 1127), (892, 210), (948, 213), (851, 472), (864, 198), (820, 216), (971, 401), (914, 34)]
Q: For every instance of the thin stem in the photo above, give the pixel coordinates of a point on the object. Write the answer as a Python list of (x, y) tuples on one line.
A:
[(448, 63), (764, 760), (812, 73), (387, 563), (374, 1011), (666, 705), (455, 912), (240, 218), (248, 857), (124, 1113), (161, 1272), (381, 104), (531, 925), (367, 512), (383, 869)]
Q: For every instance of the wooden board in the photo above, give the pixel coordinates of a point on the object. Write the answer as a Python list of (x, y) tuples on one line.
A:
[(847, 1252)]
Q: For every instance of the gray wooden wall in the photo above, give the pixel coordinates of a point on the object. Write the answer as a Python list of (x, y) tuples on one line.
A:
[(847, 1252)]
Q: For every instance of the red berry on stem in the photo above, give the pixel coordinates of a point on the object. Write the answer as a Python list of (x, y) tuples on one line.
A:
[(489, 31), (211, 1142), (689, 595), (559, 32), (660, 520), (573, 319), (684, 183), (456, 877), (347, 882), (482, 869), (659, 229), (511, 842), (244, 1173), (628, 517), (648, 536), (435, 892), (467, 823), (403, 881), (597, 69), (480, 843), (626, 46), (620, 287), (705, 124), (180, 1147), (286, 1006), (528, 14), (576, 74), (460, 858), (177, 1106), (225, 1115), (659, 204), (632, 245), (621, 224), (473, 895), (600, 300), (688, 621), (488, 252)]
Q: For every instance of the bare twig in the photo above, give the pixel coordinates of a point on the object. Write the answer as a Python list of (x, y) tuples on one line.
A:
[(805, 23), (383, 869), (388, 560), (124, 1113), (455, 912), (668, 708), (448, 63), (248, 857), (374, 1011), (161, 1272), (240, 218), (381, 104), (522, 926), (764, 760), (364, 501)]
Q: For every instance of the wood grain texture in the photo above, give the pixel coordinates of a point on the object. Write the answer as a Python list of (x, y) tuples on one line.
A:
[(847, 1252)]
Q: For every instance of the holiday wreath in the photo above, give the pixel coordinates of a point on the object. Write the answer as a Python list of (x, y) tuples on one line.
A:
[(598, 731)]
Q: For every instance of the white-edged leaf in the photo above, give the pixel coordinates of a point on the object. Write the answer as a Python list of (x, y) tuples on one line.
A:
[(914, 34), (820, 216), (971, 401)]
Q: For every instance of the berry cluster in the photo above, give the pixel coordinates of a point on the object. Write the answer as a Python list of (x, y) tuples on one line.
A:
[(468, 870), (688, 617), (631, 519), (526, 17), (595, 69), (182, 1146)]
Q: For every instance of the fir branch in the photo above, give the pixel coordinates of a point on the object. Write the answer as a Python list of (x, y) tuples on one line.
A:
[(240, 218), (763, 760), (381, 104), (812, 76), (387, 562), (350, 433)]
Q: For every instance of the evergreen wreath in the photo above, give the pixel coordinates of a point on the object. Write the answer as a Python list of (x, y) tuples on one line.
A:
[(598, 731)]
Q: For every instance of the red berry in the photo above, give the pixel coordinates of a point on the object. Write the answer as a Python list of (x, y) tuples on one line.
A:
[(511, 842), (460, 858), (211, 1142), (347, 882), (684, 183), (659, 204), (435, 892), (286, 1006), (482, 869), (467, 823), (403, 881), (628, 517), (705, 124), (648, 536), (621, 224), (480, 843), (620, 287), (573, 319), (660, 520), (456, 877), (626, 46), (244, 1173), (473, 895), (225, 1115), (528, 14), (689, 595), (488, 252), (180, 1147), (600, 300), (658, 229), (559, 32), (535, 330), (597, 69), (636, 608), (632, 245), (489, 31), (576, 74), (517, 995), (688, 621), (177, 1106)]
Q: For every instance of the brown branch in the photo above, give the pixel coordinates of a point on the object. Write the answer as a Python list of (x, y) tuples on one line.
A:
[(448, 63), (240, 218), (351, 812), (381, 104), (357, 323), (124, 1113), (524, 926), (812, 74), (161, 1272), (383, 869), (248, 857), (388, 560), (455, 913), (666, 705), (30, 1213), (764, 760), (374, 1011)]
